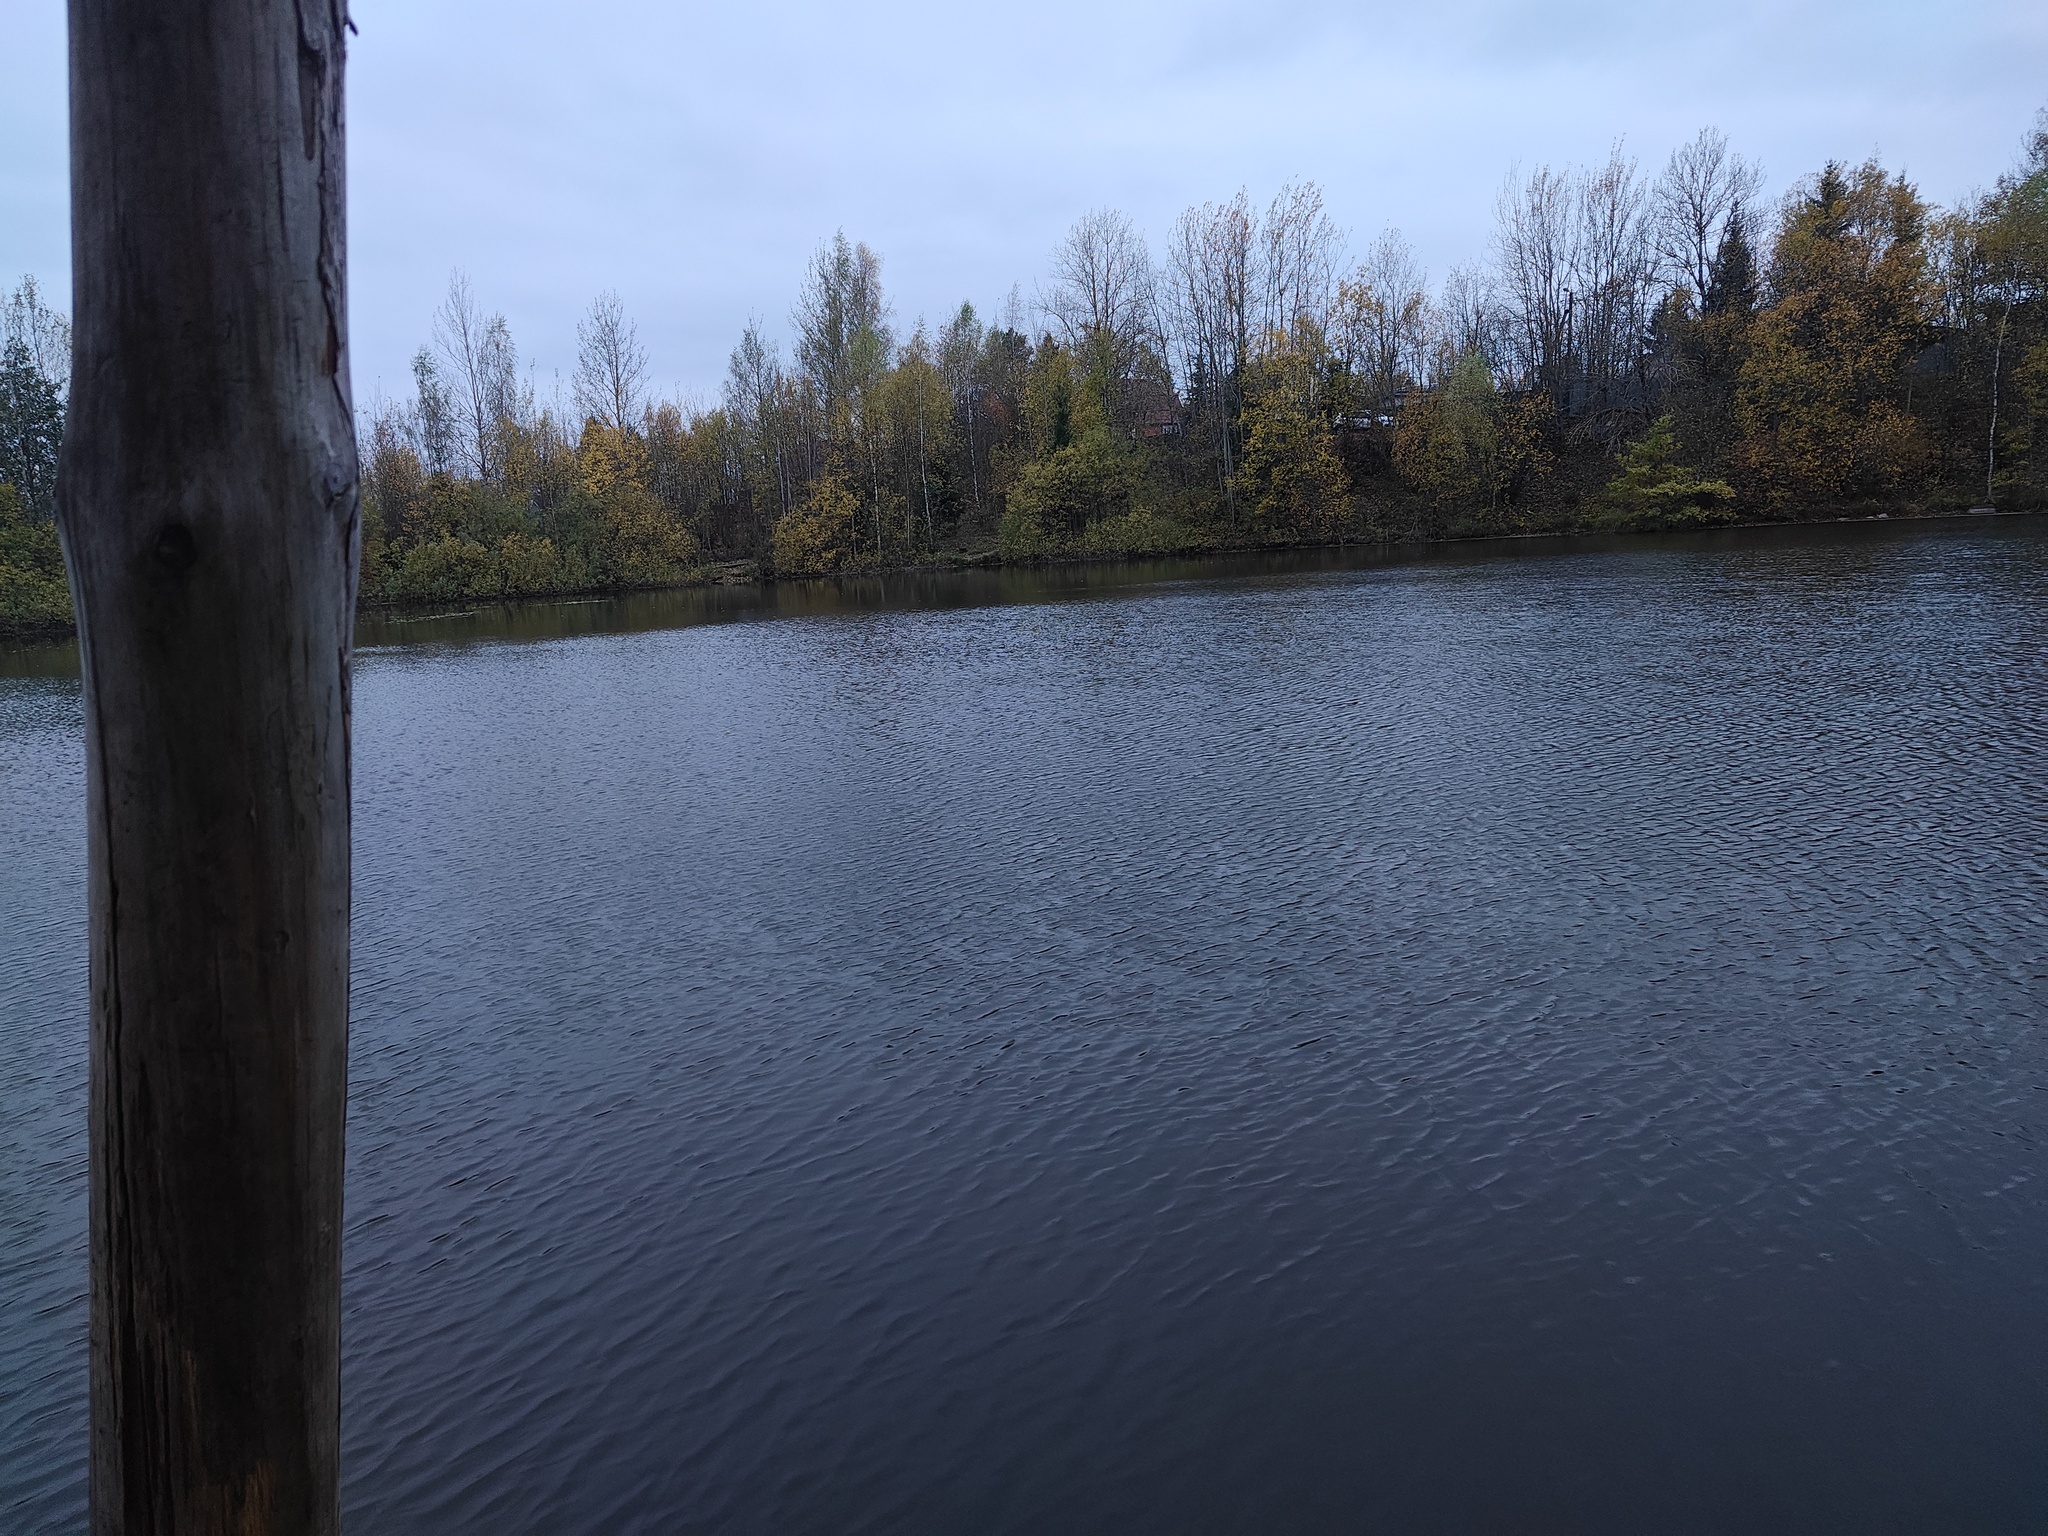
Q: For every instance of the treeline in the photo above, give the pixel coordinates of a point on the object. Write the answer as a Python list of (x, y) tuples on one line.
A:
[(35, 374), (1637, 352)]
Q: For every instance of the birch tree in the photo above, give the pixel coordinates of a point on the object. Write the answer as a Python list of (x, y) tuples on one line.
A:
[(483, 377), (1612, 269), (1532, 245), (1703, 186), (841, 320), (959, 357), (42, 332), (1299, 250), (754, 399), (1210, 267), (1381, 331), (1101, 297), (610, 384)]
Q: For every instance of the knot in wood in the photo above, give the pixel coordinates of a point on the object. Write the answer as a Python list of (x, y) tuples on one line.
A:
[(175, 549)]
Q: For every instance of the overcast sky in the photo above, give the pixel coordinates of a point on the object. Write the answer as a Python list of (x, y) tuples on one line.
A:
[(692, 156)]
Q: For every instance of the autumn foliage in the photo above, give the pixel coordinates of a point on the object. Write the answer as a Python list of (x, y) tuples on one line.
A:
[(1640, 353)]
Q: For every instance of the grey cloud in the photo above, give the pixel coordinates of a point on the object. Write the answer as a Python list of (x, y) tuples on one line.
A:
[(691, 157)]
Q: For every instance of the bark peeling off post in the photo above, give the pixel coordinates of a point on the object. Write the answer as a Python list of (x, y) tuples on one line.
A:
[(208, 506)]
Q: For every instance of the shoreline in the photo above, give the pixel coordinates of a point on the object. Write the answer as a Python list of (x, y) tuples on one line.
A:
[(745, 573), (748, 573)]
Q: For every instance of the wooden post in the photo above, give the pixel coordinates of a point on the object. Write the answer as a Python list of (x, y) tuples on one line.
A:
[(208, 506)]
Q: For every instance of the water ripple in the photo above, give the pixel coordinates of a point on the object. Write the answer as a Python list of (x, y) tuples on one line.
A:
[(1546, 1045)]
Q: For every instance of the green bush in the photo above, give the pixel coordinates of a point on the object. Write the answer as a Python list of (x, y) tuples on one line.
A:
[(443, 570), (1140, 532), (1653, 490), (820, 536), (34, 597), (1071, 487), (1018, 537)]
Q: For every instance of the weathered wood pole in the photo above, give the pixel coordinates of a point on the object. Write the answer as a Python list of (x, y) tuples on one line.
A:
[(207, 500)]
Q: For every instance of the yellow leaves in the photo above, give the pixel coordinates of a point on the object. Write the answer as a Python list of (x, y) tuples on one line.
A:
[(642, 543), (524, 563), (1441, 452), (1812, 401), (647, 547), (1142, 531), (915, 402), (611, 459), (2032, 378), (33, 595), (1292, 478), (1817, 401), (822, 535), (1447, 445), (1462, 441), (1087, 480)]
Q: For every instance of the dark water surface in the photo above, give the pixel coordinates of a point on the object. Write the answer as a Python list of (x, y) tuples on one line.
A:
[(1511, 1044)]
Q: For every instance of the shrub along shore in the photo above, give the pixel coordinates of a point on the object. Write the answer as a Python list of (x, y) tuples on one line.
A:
[(1639, 353), (43, 601), (1141, 539)]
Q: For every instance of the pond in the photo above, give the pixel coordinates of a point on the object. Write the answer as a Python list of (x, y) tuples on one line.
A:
[(1528, 1039)]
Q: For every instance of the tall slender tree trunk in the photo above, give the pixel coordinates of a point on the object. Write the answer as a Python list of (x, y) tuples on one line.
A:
[(209, 509), (1991, 435), (1230, 406), (973, 466), (924, 480)]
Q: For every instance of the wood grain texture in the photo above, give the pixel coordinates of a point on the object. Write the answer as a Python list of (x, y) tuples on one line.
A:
[(208, 504)]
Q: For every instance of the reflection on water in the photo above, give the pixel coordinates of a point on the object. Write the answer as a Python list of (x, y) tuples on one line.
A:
[(635, 612), (986, 586), (1491, 1043)]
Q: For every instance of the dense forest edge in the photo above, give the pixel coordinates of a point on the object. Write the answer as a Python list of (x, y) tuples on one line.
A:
[(1638, 353)]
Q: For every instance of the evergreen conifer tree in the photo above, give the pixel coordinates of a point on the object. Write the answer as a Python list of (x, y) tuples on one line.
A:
[(1731, 282), (1652, 489), (31, 429)]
